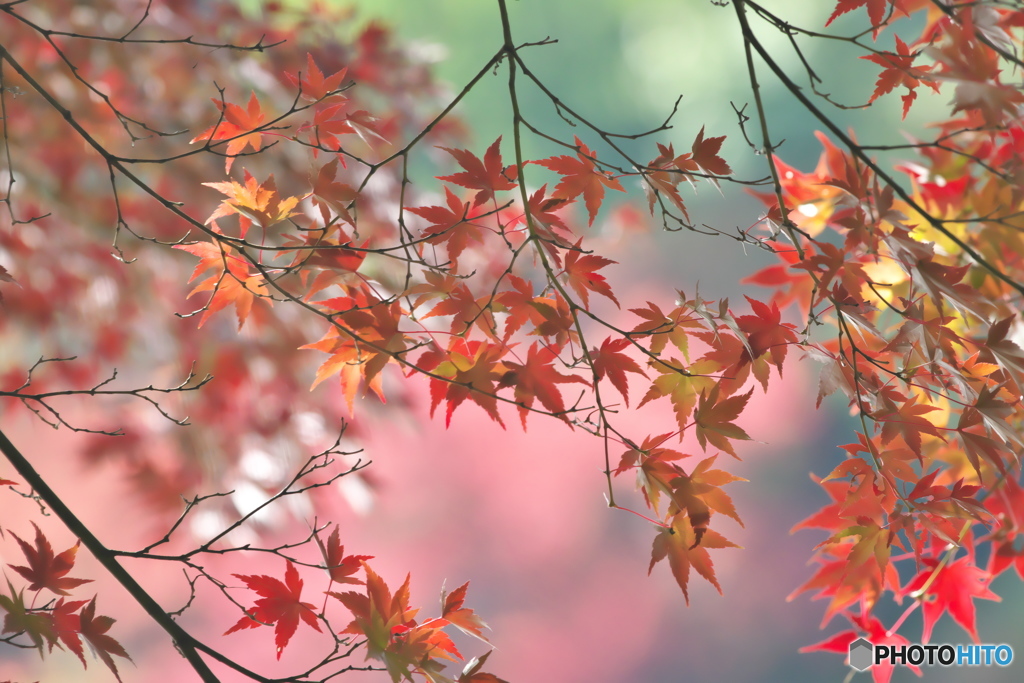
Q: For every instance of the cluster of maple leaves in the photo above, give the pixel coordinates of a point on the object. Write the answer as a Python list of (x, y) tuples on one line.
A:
[(487, 288), (922, 289), (62, 622)]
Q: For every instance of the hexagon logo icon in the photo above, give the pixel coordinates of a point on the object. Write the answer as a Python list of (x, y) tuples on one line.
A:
[(861, 652)]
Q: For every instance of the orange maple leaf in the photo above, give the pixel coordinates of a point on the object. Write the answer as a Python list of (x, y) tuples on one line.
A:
[(239, 125), (581, 175), (231, 282), (472, 368), (377, 613), (677, 543), (713, 419)]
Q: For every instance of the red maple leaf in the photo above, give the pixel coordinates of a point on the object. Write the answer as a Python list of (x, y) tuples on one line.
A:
[(581, 175), (449, 224), (67, 625), (338, 565), (897, 71), (45, 569), (314, 86), (473, 368), (327, 194), (876, 10), (581, 270), (610, 361), (463, 618), (705, 156), (536, 379), (280, 605), (543, 212), (487, 176), (874, 632), (766, 332), (664, 177), (94, 629), (953, 589)]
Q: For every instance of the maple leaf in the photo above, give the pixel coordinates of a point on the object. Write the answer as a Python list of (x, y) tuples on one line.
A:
[(903, 416), (581, 175), (876, 633), (536, 379), (713, 419), (543, 211), (649, 450), (472, 673), (449, 224), (67, 626), (374, 322), (766, 332), (315, 86), (953, 589), (898, 71), (5, 277), (517, 303), (705, 156), (665, 327), (682, 386), (45, 569), (333, 120), (20, 619), (466, 309), (94, 630), (610, 361), (254, 201), (581, 271), (876, 10), (280, 605), (231, 282), (487, 176), (677, 543), (665, 178), (328, 194), (378, 613), (700, 492), (473, 368), (339, 566), (237, 125), (462, 618)]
